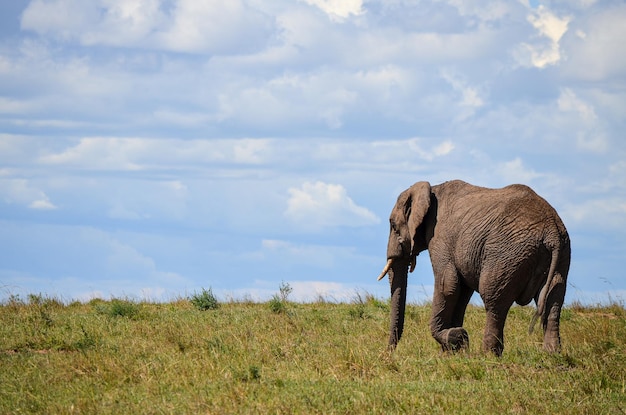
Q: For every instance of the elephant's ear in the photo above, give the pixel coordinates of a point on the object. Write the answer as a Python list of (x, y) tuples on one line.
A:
[(418, 205)]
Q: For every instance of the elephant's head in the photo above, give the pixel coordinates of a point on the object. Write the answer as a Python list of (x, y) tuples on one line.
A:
[(407, 238), (407, 216)]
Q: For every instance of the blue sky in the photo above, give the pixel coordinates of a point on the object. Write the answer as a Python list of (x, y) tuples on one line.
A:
[(151, 148)]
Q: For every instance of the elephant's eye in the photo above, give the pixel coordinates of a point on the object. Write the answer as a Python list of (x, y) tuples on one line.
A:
[(393, 226)]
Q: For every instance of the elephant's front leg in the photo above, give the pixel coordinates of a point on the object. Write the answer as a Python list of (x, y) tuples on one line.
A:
[(450, 299)]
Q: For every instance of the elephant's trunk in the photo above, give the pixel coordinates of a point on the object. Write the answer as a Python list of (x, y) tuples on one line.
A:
[(398, 282)]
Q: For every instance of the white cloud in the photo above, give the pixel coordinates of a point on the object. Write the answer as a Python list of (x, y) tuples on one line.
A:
[(125, 23), (329, 291), (406, 150), (515, 171), (122, 259), (118, 211), (471, 96), (568, 101), (594, 51), (548, 24), (318, 205), (607, 213), (183, 119), (339, 9), (618, 169), (215, 26), (443, 149), (589, 137), (484, 10), (321, 97), (301, 29), (100, 153), (136, 199), (151, 154), (13, 106), (134, 154), (318, 256), (545, 50), (43, 204), (54, 17), (187, 26), (250, 151), (401, 155), (23, 192)]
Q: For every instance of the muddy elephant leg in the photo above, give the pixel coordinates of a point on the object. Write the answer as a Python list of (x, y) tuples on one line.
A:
[(448, 309), (493, 338), (552, 316)]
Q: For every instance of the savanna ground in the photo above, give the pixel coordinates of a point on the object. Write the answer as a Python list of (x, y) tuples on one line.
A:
[(197, 356)]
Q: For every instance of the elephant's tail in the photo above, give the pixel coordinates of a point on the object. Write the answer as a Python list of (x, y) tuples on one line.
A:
[(543, 295)]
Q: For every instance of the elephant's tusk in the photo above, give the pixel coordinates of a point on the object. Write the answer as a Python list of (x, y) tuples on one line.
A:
[(412, 266), (386, 269)]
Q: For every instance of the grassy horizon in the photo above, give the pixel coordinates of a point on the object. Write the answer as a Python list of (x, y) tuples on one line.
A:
[(194, 355)]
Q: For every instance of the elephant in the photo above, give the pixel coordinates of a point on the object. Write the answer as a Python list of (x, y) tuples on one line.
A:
[(507, 244)]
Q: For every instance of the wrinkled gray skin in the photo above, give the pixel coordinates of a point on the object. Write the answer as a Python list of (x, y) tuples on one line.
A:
[(508, 244)]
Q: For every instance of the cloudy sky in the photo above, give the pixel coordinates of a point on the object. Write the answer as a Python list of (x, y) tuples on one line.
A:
[(151, 148)]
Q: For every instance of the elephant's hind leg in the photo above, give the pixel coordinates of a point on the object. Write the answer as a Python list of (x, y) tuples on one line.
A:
[(493, 339), (552, 315), (498, 291)]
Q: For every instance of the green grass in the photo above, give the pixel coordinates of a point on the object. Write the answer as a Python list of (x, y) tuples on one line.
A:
[(122, 356)]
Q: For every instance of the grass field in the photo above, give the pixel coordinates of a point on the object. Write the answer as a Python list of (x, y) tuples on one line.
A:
[(278, 357)]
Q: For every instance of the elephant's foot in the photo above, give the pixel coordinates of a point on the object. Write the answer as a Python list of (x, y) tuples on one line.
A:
[(552, 344), (454, 339), (492, 344)]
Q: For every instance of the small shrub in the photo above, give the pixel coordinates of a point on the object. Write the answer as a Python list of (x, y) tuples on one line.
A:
[(118, 308), (278, 303), (205, 300), (44, 301), (35, 299), (122, 308), (285, 289), (14, 301)]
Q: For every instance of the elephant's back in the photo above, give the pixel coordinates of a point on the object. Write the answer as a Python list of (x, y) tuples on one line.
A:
[(515, 210), (514, 215)]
